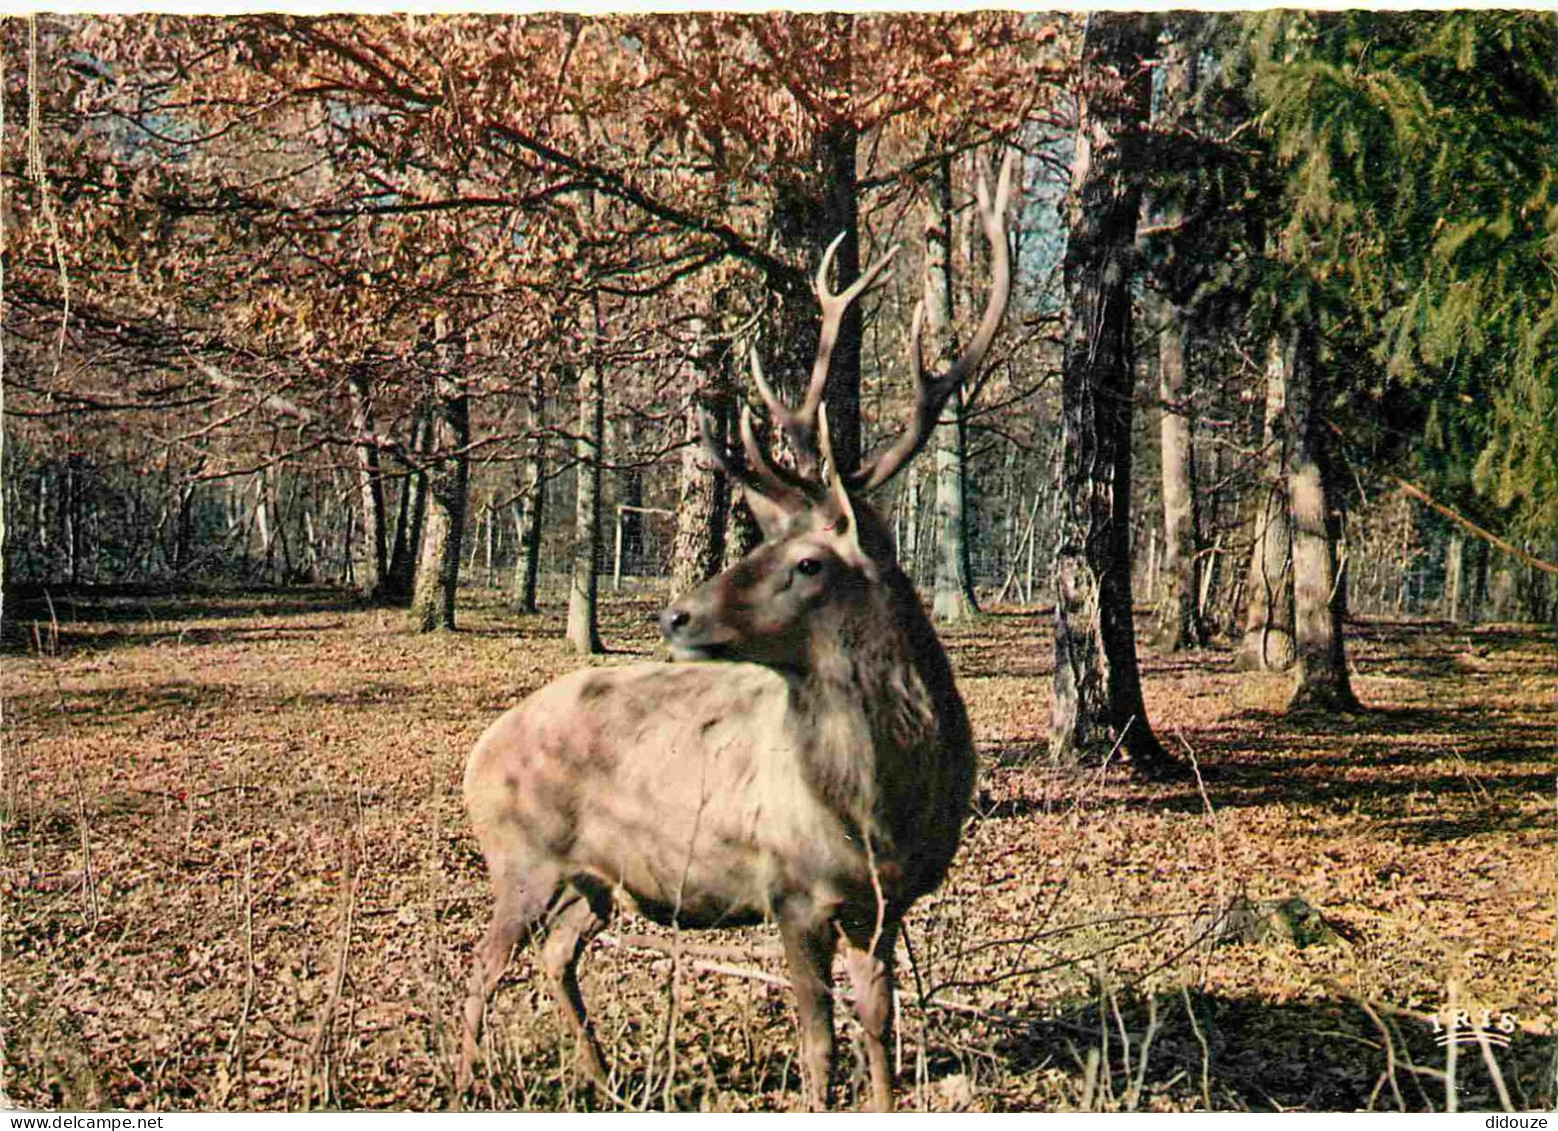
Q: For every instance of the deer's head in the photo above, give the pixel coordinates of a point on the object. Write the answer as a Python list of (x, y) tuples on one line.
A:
[(825, 553)]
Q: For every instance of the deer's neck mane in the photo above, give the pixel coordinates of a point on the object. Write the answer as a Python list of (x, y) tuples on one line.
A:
[(869, 707)]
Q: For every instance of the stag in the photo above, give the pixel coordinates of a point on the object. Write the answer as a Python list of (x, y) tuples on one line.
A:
[(808, 760)]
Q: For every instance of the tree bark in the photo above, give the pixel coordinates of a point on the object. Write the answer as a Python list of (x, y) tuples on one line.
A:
[(584, 582), (448, 482), (630, 495), (1097, 706), (1179, 618), (742, 533), (1454, 572), (1180, 624), (373, 567), (953, 593), (1268, 625), (811, 208), (1320, 667), (532, 504), (703, 504), (405, 548)]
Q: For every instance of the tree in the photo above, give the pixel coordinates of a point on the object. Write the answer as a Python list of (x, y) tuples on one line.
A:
[(531, 506), (443, 528), (1320, 666), (1416, 154), (590, 450), (1097, 705), (953, 591), (1179, 615), (370, 485), (1268, 624), (703, 499)]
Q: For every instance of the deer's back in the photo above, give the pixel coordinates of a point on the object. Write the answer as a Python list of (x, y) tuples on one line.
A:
[(681, 784)]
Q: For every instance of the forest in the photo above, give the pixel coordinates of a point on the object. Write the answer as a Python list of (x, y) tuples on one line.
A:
[(362, 374)]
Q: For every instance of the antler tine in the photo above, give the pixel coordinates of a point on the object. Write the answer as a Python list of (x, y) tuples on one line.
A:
[(833, 308), (800, 424), (931, 394), (777, 484), (757, 474), (825, 444), (776, 407), (796, 425)]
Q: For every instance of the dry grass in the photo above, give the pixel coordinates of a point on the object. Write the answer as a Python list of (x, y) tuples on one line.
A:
[(236, 875)]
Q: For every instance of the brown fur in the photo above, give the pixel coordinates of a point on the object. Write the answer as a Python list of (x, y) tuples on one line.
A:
[(817, 774)]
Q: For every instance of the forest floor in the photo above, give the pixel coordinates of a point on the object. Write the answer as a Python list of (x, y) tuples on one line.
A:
[(236, 874)]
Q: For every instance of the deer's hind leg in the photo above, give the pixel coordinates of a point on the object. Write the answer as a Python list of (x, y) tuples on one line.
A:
[(522, 901), (868, 957), (582, 911)]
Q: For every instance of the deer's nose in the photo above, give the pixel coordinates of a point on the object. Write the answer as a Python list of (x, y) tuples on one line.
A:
[(673, 620)]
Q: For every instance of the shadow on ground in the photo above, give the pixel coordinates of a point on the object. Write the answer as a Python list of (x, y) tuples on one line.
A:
[(1235, 1053)]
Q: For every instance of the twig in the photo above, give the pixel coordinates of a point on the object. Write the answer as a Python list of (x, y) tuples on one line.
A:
[(1390, 1056), (1133, 1098), (236, 1049), (1452, 1048), (1211, 817), (652, 942), (337, 984), (1206, 1052), (1493, 1068), (642, 942)]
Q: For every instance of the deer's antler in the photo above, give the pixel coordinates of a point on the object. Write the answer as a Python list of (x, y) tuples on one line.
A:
[(799, 425), (757, 473), (932, 393)]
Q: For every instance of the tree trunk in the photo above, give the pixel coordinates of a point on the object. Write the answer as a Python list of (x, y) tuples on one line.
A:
[(1179, 616), (1268, 625), (813, 207), (584, 583), (1477, 583), (954, 595), (1454, 571), (703, 504), (630, 496), (443, 529), (742, 533), (374, 564), (1180, 624), (400, 575), (1097, 706), (954, 591), (1321, 661), (841, 214), (532, 504)]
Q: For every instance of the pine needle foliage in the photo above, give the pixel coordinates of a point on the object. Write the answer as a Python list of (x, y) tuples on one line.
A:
[(1419, 151)]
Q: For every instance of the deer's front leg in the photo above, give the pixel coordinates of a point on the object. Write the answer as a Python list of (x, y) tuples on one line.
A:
[(808, 952)]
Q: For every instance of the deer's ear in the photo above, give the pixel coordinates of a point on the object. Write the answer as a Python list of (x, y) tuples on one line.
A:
[(772, 518)]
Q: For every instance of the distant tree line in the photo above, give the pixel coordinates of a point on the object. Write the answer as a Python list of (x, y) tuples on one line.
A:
[(396, 303)]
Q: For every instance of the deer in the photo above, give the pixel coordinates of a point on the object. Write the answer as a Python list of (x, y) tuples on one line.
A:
[(805, 759)]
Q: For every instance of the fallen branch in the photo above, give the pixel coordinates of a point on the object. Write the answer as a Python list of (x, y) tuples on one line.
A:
[(1461, 520)]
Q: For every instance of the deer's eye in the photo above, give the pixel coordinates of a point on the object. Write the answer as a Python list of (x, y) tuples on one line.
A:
[(808, 567)]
